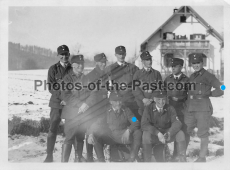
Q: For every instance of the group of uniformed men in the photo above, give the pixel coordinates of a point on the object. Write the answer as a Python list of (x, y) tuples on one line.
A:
[(139, 118)]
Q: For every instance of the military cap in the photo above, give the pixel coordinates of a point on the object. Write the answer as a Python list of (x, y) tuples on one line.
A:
[(177, 61), (160, 94), (77, 59), (115, 96), (62, 49), (145, 56), (120, 50), (196, 58), (100, 58)]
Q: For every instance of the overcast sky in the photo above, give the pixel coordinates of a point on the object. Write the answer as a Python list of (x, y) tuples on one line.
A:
[(96, 29)]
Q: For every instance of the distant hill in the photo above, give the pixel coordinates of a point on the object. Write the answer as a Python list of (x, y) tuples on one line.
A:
[(33, 57)]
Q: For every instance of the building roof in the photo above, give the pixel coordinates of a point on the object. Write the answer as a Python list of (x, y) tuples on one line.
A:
[(191, 11)]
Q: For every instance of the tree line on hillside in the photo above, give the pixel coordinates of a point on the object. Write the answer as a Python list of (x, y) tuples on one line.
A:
[(28, 57), (33, 49)]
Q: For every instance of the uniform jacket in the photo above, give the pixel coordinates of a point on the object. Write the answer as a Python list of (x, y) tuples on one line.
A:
[(180, 94), (198, 98), (73, 98), (95, 75), (116, 121), (123, 74), (154, 121), (55, 75), (153, 76), (99, 98)]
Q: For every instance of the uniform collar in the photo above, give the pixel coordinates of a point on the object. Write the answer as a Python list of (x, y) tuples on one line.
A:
[(200, 72), (155, 108), (119, 63), (181, 75), (145, 69), (62, 64), (112, 109), (177, 76)]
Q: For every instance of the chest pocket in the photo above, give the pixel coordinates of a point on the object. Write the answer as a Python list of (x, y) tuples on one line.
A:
[(166, 120), (58, 75)]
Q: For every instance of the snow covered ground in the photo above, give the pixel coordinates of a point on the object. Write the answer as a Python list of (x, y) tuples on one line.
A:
[(29, 103)]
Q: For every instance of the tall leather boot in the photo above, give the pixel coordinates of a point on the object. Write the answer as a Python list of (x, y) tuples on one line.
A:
[(181, 151), (134, 152), (174, 156), (66, 150), (78, 151), (50, 147), (99, 151), (147, 150), (203, 149), (89, 149)]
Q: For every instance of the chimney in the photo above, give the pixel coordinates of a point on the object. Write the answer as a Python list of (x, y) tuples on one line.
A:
[(175, 10)]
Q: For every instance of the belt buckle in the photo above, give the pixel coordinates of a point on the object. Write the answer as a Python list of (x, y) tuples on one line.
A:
[(191, 97)]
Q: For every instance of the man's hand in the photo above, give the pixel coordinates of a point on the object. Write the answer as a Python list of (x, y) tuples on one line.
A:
[(147, 101), (161, 137), (91, 139), (63, 103), (167, 136), (83, 108), (125, 137)]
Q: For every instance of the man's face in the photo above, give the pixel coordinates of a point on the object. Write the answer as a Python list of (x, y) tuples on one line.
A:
[(160, 102), (197, 66), (120, 57), (78, 68), (116, 104), (64, 57), (176, 69), (147, 63), (101, 65)]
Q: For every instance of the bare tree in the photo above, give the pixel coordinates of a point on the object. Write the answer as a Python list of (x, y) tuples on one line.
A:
[(77, 48)]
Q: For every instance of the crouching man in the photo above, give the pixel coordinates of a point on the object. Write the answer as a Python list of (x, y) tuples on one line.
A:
[(117, 126), (160, 124)]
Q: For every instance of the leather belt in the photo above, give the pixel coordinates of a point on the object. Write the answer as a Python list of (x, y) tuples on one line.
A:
[(198, 97)]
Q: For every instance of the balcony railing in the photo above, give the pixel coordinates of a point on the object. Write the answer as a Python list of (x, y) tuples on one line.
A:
[(185, 44)]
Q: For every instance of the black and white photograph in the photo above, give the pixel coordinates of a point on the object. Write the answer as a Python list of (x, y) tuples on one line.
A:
[(115, 84)]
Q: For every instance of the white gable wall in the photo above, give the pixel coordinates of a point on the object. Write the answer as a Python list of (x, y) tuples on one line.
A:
[(213, 61)]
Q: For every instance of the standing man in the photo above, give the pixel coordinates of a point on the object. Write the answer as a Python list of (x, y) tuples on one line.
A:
[(199, 107), (99, 96), (177, 97), (75, 101), (122, 73), (55, 75), (160, 124), (146, 75), (117, 126)]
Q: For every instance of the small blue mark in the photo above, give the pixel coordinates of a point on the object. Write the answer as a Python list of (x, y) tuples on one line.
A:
[(222, 87), (134, 119)]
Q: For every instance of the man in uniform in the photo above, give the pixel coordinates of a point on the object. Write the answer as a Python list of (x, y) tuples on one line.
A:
[(122, 72), (74, 102), (97, 74), (160, 124), (116, 127), (177, 98), (55, 75), (199, 108), (146, 75)]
